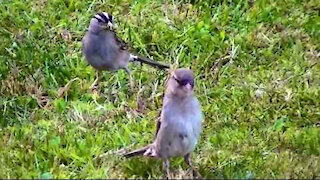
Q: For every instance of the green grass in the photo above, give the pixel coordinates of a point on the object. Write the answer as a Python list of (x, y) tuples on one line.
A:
[(257, 77)]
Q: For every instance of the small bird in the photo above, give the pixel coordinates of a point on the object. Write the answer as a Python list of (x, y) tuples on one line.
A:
[(180, 123), (103, 50)]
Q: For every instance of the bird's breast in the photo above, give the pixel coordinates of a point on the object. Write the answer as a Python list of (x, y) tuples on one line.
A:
[(181, 123)]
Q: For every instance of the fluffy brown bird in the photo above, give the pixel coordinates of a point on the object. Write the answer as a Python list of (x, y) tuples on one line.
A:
[(180, 122)]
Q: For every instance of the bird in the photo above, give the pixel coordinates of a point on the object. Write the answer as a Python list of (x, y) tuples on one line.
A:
[(103, 50), (180, 123)]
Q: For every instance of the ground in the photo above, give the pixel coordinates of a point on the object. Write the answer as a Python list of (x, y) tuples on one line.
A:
[(257, 78)]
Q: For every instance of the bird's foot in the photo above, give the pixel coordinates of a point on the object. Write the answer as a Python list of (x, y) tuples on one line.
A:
[(94, 88), (165, 176), (195, 173)]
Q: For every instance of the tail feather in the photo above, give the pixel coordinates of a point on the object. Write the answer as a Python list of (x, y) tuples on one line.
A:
[(150, 62), (136, 152), (146, 151)]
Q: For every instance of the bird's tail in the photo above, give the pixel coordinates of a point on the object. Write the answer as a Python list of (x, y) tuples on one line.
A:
[(149, 62), (148, 150)]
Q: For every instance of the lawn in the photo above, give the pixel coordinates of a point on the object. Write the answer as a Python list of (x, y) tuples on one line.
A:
[(257, 77)]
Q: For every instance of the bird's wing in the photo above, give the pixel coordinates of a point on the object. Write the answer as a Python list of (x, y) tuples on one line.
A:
[(158, 126), (123, 46), (120, 42)]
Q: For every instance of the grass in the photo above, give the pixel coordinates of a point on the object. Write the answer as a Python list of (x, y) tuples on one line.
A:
[(257, 77)]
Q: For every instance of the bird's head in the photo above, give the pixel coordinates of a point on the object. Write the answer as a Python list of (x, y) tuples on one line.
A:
[(102, 21), (181, 83)]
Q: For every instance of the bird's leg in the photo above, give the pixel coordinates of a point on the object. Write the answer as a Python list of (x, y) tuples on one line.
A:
[(187, 159), (166, 168), (130, 77), (94, 85)]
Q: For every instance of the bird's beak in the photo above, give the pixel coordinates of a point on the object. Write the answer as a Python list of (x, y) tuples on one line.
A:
[(187, 87)]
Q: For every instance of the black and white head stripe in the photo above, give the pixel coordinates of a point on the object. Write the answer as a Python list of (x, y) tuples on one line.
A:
[(104, 17)]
